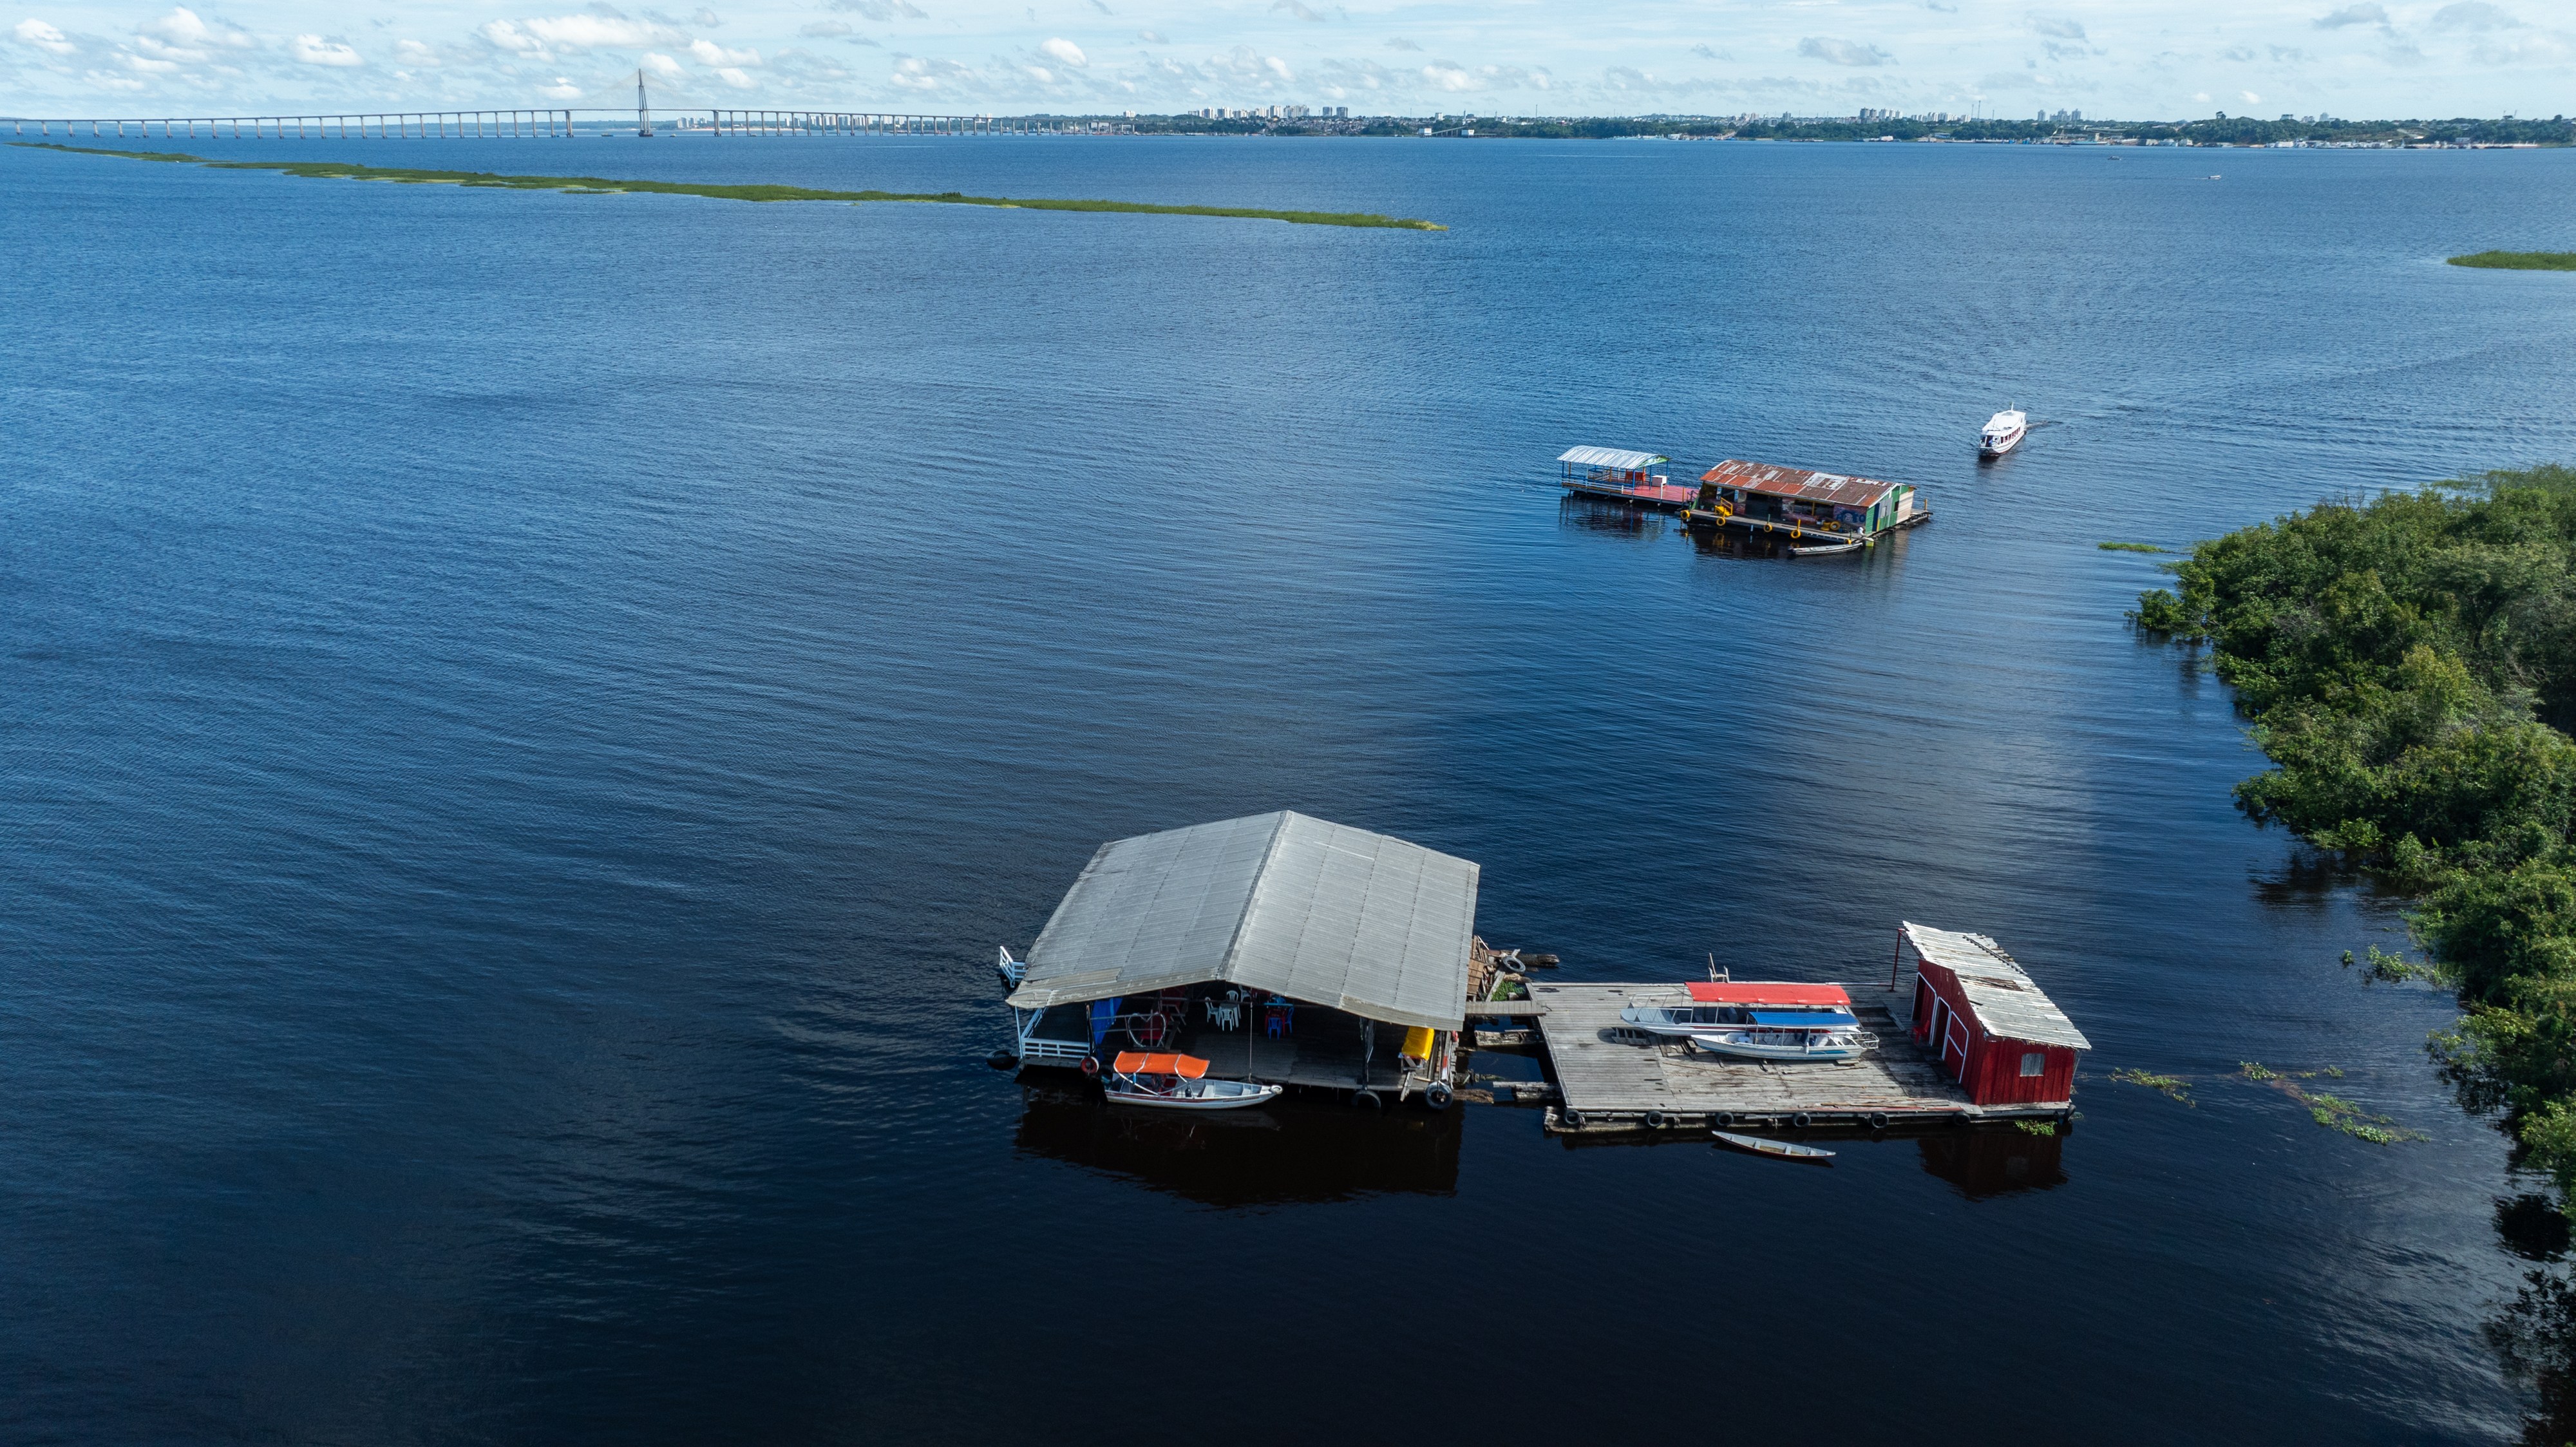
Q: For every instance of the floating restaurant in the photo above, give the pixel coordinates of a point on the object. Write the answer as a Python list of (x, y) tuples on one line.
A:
[(1279, 950), (1820, 512), (1276, 949)]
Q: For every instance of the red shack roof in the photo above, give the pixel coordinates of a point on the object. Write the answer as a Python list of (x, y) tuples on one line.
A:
[(1757, 992), (1773, 480)]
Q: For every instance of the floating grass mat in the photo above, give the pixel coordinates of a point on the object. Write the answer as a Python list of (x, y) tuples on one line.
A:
[(2129, 547), (2520, 260), (603, 186)]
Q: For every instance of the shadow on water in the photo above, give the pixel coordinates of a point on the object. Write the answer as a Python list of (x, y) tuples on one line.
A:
[(1988, 1163), (1599, 515), (1288, 1151)]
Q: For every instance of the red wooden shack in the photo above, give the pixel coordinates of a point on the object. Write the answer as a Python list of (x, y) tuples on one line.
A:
[(2002, 1039)]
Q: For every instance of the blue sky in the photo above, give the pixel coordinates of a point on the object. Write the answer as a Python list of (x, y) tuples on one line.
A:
[(2143, 58)]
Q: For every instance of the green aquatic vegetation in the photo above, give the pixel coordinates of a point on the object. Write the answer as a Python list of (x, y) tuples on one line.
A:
[(2168, 1085), (2255, 1071), (2037, 1127), (2519, 260), (604, 186), (2336, 1113), (2129, 547)]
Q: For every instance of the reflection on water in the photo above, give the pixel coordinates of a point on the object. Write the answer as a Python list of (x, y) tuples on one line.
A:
[(1286, 1151), (1600, 515), (1983, 1163)]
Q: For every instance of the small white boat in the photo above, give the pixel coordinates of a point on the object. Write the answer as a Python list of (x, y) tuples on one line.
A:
[(1780, 1150), (2004, 432), (1178, 1082)]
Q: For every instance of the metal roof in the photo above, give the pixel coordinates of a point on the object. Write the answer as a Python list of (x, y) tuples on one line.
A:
[(1281, 902), (1612, 457), (2006, 1002), (1776, 481)]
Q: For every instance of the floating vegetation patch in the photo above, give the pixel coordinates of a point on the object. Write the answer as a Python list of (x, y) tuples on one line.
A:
[(2037, 1127), (2168, 1085), (2519, 260), (603, 186), (2130, 548), (2331, 1111)]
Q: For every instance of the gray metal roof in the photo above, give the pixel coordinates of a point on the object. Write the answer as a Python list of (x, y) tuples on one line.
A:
[(1279, 902), (1612, 457), (2006, 1001)]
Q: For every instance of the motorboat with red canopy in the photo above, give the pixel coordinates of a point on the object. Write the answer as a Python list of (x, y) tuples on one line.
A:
[(1760, 1020), (1178, 1082)]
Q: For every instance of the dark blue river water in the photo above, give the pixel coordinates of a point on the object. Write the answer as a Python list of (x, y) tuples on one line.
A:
[(526, 716)]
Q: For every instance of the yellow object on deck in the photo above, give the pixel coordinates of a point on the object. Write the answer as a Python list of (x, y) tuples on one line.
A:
[(1417, 1043)]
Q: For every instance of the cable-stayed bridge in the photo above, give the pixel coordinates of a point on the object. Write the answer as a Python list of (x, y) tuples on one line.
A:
[(554, 123)]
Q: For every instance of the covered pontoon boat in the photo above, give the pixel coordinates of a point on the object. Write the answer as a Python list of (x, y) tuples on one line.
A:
[(1278, 948)]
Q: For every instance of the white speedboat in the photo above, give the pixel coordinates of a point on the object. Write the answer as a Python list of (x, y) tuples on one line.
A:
[(1823, 1035), (2004, 432), (1724, 1004), (1178, 1082)]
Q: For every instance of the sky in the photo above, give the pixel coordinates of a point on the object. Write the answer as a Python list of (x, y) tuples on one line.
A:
[(2135, 59)]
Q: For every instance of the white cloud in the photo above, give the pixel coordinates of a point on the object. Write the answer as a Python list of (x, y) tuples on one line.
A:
[(595, 32), (563, 89), (736, 78), (1064, 52), (2473, 15), (2363, 14), (1398, 42), (1296, 8), (710, 53), (502, 35), (880, 11), (661, 64), (2250, 97), (1842, 52), (1150, 38), (184, 27), (2062, 27), (42, 36), (824, 29), (412, 52), (314, 50)]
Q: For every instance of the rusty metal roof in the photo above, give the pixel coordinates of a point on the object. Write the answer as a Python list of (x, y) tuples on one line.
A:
[(2008, 1003), (1773, 480)]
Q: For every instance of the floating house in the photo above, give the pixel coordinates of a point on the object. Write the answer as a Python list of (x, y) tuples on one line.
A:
[(1625, 476), (1276, 947), (1816, 511), (1988, 1024)]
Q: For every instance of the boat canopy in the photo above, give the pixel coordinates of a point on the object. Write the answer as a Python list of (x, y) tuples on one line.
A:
[(1612, 457), (1757, 992), (1805, 1019), (1282, 903), (1772, 480), (1136, 1062)]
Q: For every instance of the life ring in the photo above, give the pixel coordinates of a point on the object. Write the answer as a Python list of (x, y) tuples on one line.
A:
[(1793, 533), (1725, 1118), (1091, 1065), (1570, 1119), (1437, 1097), (1799, 1120), (1878, 1120), (1655, 1120)]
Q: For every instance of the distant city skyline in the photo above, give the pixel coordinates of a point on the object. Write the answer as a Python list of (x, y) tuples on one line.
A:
[(2160, 59)]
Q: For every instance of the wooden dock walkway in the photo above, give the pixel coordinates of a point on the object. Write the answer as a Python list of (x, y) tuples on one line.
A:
[(1611, 1078)]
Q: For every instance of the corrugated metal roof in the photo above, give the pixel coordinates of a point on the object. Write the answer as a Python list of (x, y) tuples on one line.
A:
[(1280, 902), (1798, 482), (2006, 1001), (1612, 457)]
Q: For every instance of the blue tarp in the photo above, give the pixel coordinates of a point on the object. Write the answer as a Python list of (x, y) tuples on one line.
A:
[(1803, 1019), (1102, 1013)]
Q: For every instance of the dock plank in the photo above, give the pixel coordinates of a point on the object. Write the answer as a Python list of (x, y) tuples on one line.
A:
[(1612, 1077)]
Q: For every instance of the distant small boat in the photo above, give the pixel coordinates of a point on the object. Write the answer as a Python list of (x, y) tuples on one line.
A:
[(1783, 1150), (1178, 1082), (2004, 432)]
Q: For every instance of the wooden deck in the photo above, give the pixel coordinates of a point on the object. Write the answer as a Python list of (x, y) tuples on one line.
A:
[(1610, 1078)]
